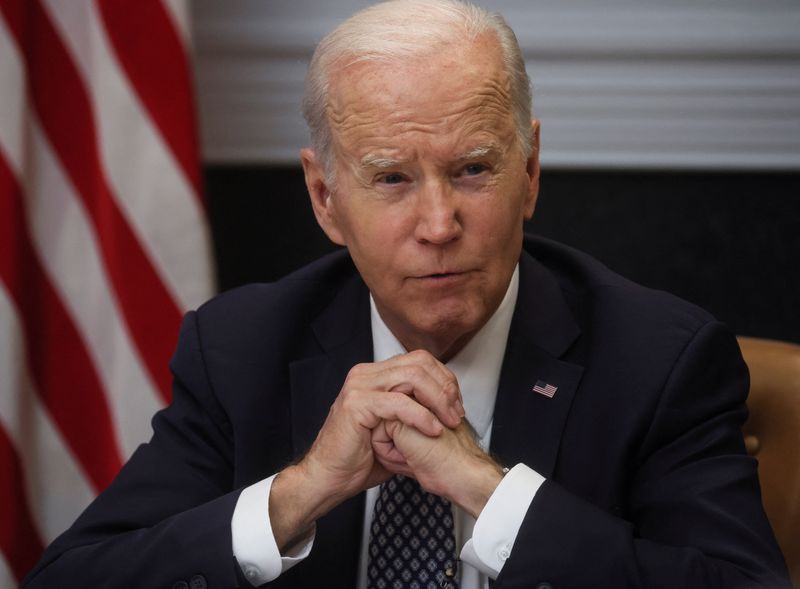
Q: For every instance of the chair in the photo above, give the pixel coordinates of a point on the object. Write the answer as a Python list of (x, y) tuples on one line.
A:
[(772, 435)]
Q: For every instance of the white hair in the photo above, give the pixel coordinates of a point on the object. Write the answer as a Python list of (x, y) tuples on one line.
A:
[(402, 29)]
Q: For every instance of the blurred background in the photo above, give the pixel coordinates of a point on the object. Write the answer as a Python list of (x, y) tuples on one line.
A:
[(670, 141)]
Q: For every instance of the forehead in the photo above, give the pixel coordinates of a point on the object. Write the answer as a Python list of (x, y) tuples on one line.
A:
[(455, 95)]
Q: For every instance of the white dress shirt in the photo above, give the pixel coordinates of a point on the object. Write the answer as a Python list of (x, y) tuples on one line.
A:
[(486, 543)]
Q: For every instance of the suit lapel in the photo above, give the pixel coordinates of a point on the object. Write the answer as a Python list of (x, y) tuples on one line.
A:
[(344, 335), (345, 338), (528, 425)]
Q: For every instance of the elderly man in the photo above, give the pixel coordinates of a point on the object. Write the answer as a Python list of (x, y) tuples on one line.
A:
[(438, 406)]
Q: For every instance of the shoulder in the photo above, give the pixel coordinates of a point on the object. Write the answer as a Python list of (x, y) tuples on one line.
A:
[(278, 311), (314, 283), (602, 300), (630, 334)]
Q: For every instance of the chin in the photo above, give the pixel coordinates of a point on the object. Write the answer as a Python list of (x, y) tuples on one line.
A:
[(450, 324)]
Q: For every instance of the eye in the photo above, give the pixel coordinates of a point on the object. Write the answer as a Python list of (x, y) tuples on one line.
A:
[(474, 169), (391, 178)]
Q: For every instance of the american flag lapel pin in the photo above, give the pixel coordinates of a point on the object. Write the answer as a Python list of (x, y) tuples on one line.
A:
[(545, 388)]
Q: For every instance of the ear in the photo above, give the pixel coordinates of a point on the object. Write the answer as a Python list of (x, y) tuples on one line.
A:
[(532, 168), (320, 194)]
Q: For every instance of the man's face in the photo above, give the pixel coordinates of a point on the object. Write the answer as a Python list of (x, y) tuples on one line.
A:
[(431, 189)]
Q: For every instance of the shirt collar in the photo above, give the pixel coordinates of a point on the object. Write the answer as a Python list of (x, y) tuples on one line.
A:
[(477, 366)]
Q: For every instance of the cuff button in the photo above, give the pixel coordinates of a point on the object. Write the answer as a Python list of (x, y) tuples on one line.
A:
[(251, 573)]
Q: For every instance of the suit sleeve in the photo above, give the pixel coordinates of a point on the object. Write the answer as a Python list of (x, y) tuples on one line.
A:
[(693, 518), (166, 518)]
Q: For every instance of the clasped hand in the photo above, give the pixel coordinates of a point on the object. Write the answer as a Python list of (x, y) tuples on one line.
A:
[(403, 415)]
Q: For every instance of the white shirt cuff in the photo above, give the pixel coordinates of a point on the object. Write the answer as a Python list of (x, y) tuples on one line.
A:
[(498, 524), (254, 544)]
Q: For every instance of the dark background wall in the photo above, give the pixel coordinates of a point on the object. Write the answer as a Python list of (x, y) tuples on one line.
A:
[(729, 242)]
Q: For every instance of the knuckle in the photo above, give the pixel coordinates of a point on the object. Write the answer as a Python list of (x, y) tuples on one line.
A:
[(450, 387), (420, 356), (357, 369), (356, 373), (407, 375), (346, 400), (412, 371)]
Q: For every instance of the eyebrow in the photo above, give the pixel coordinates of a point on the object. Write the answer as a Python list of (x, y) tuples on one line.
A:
[(479, 151), (372, 160)]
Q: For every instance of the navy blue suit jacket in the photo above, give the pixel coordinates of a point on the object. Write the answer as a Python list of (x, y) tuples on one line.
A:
[(648, 483)]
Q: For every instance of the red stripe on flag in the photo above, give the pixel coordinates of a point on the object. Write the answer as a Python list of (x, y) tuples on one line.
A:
[(14, 13), (59, 363), (65, 111), (154, 63), (20, 541)]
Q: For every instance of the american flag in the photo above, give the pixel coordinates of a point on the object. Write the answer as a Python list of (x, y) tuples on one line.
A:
[(103, 245), (545, 389)]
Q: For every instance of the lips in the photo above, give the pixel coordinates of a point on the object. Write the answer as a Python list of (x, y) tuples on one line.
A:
[(443, 277), (440, 274)]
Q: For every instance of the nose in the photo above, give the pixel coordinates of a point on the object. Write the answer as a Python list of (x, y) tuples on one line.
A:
[(438, 216)]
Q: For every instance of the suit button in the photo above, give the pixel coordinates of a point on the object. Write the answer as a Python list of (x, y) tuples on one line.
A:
[(180, 585), (198, 582), (544, 586)]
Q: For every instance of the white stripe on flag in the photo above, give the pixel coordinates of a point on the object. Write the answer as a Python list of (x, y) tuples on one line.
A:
[(57, 490), (65, 242), (545, 389), (155, 196), (179, 12), (6, 578), (12, 98)]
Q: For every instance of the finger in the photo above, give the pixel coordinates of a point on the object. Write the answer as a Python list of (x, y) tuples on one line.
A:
[(445, 375), (422, 358), (428, 386), (417, 374), (382, 442), (397, 407), (443, 400), (388, 454)]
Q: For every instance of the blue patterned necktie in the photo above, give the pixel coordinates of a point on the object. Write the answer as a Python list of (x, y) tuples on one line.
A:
[(412, 540)]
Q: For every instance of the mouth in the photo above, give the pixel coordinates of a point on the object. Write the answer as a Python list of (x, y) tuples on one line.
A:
[(442, 274), (443, 277)]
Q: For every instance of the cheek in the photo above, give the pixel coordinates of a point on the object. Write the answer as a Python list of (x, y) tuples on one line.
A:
[(514, 206), (379, 226), (353, 216), (375, 242), (498, 218)]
